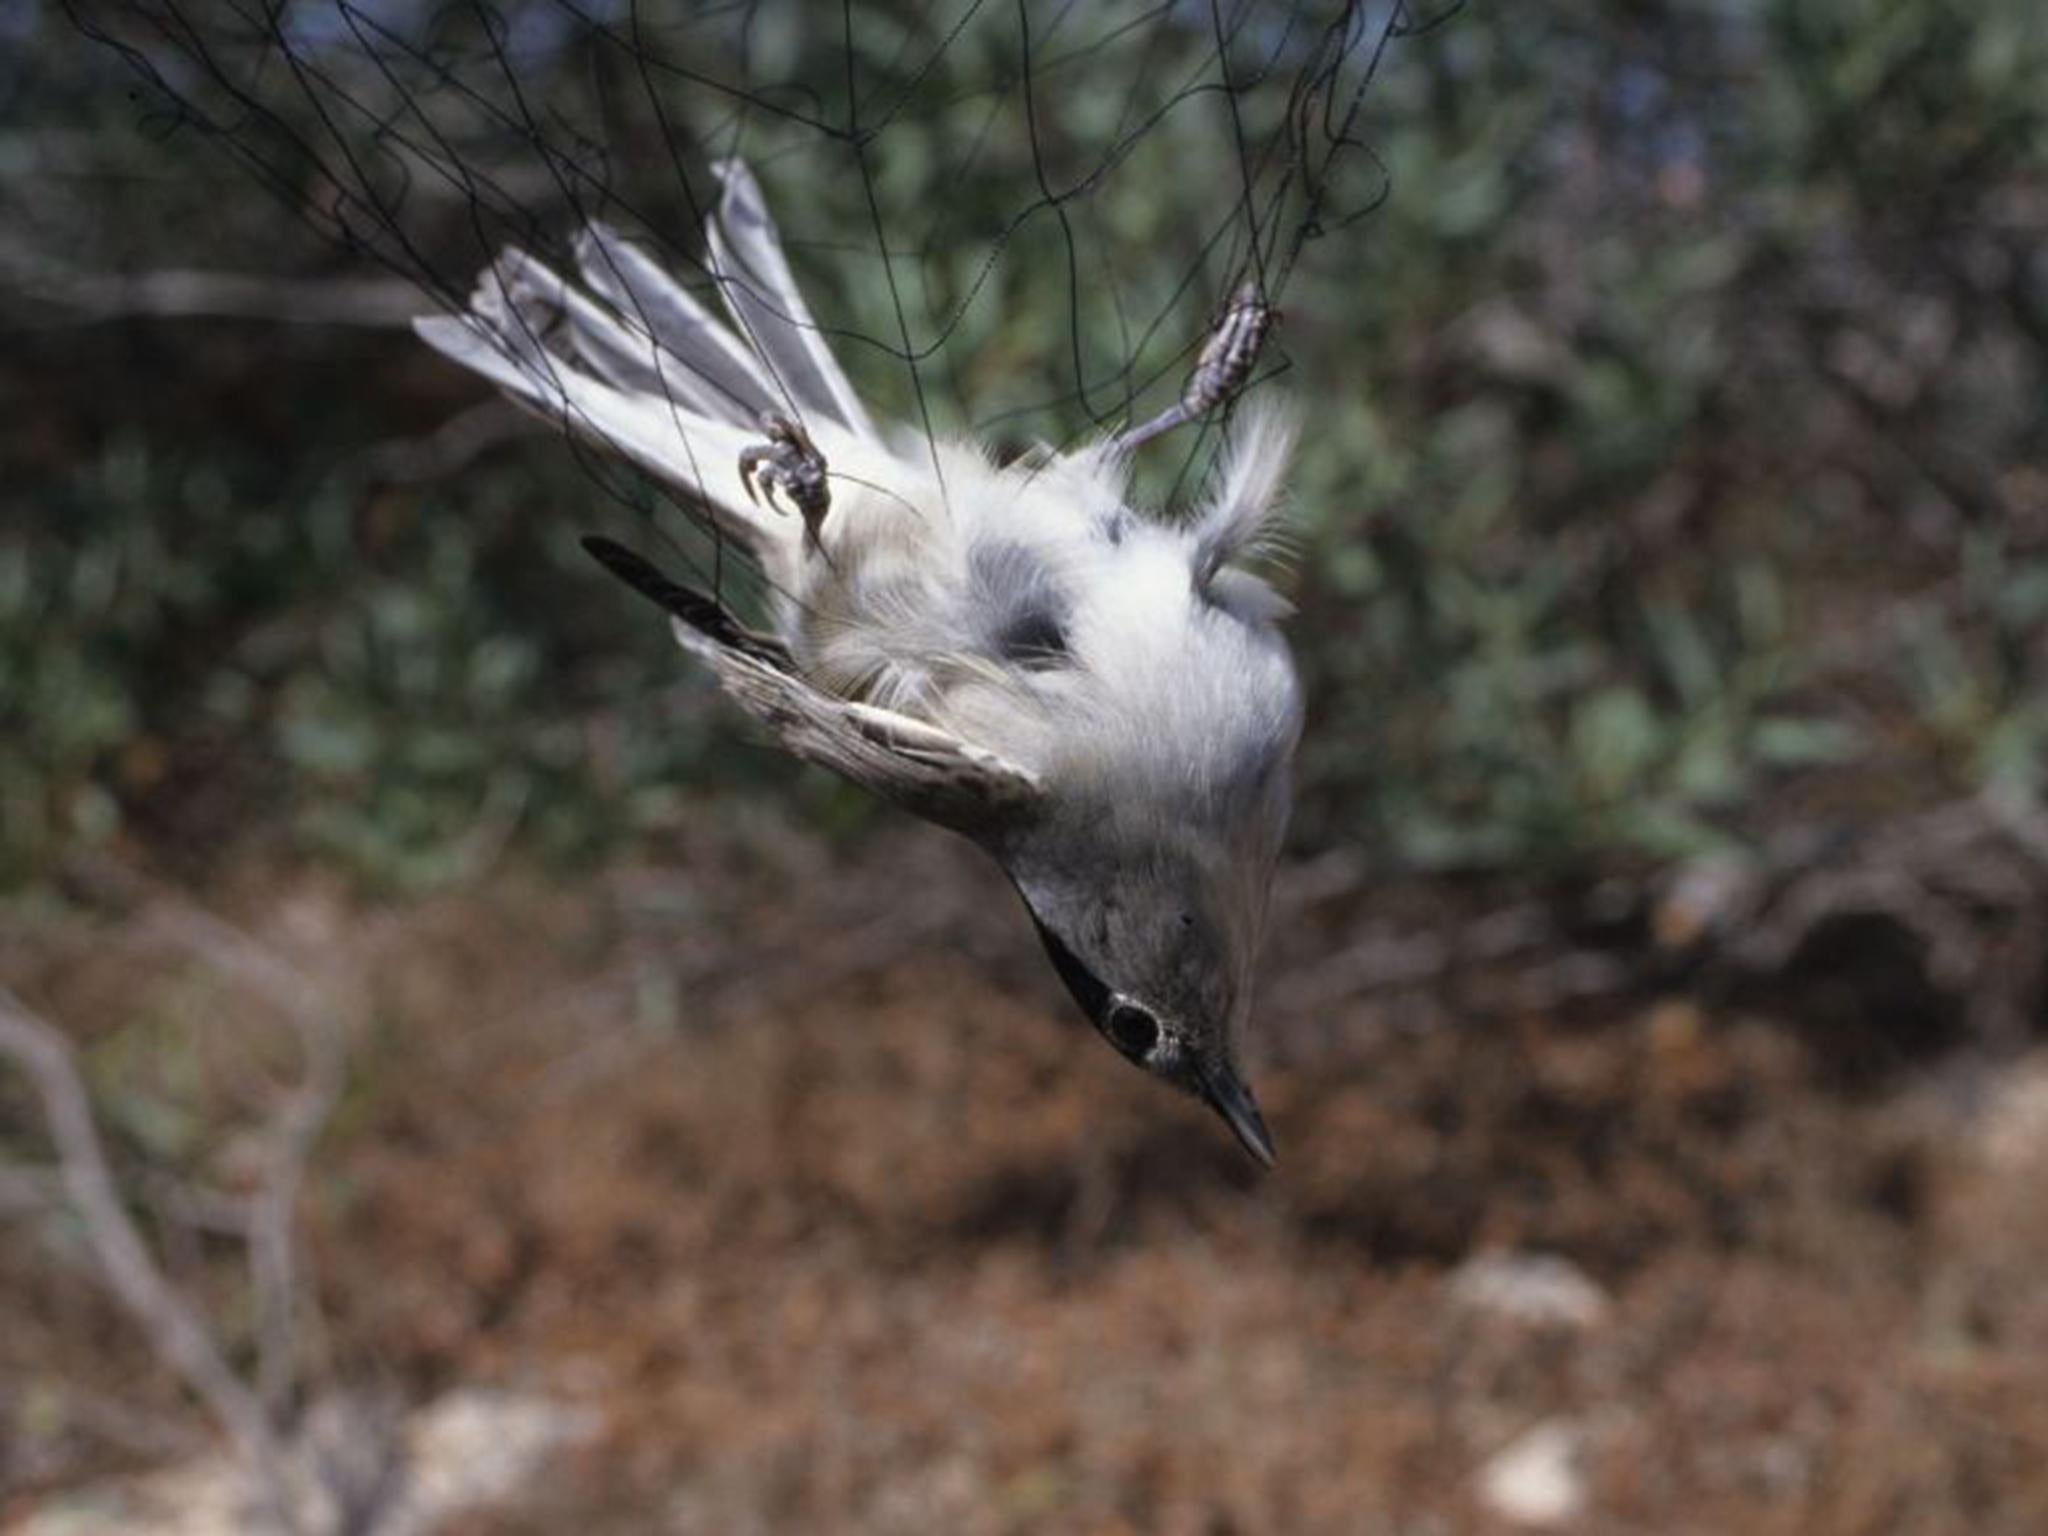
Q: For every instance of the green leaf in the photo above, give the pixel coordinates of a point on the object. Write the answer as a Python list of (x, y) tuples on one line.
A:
[(1615, 736)]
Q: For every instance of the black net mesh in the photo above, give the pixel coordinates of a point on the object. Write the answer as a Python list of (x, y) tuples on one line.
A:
[(1016, 221)]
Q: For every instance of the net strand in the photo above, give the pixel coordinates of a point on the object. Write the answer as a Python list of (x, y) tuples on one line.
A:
[(365, 122)]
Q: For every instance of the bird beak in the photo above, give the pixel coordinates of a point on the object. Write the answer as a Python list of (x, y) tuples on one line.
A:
[(1230, 1098)]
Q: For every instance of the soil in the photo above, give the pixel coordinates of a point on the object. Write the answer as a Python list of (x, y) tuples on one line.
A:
[(816, 1192)]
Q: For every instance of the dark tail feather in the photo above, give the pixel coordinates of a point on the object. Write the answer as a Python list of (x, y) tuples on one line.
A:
[(704, 614)]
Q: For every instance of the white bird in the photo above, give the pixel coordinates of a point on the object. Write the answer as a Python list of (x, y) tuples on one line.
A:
[(1100, 698)]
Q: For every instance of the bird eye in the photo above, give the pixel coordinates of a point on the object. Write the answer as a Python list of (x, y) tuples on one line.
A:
[(1131, 1030)]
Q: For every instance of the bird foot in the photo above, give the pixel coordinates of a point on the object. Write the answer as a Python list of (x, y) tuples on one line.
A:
[(789, 462)]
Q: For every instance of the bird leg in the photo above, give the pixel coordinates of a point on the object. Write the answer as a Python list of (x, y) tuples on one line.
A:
[(788, 462), (1222, 367)]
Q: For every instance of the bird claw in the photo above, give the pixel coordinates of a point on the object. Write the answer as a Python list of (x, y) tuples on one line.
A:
[(1221, 369), (789, 462)]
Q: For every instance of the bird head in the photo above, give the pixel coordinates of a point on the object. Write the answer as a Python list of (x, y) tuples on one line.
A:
[(1151, 915)]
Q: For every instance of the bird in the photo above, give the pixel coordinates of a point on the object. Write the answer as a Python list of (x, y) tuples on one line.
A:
[(1099, 695)]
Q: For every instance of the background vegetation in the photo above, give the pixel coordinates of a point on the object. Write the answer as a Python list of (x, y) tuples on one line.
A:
[(1676, 441), (1673, 565)]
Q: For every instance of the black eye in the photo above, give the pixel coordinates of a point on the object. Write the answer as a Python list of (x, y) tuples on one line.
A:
[(1131, 1030)]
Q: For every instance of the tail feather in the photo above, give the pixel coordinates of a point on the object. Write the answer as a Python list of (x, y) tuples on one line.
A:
[(494, 337), (769, 309), (504, 336), (613, 350), (722, 378), (628, 358)]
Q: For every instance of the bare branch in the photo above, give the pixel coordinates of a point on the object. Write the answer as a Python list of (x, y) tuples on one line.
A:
[(182, 293), (175, 1330), (189, 295), (273, 1213)]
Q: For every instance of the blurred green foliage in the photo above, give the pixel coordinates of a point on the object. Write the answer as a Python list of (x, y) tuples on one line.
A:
[(195, 645), (1673, 453)]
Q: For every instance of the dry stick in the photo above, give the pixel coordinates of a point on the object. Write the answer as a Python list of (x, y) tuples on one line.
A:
[(175, 1331), (180, 295), (265, 1219), (273, 1211)]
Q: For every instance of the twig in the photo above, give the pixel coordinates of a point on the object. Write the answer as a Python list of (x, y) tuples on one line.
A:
[(272, 1213), (175, 1330), (183, 293)]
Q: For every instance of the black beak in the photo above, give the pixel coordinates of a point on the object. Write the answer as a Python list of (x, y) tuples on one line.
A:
[(1226, 1093)]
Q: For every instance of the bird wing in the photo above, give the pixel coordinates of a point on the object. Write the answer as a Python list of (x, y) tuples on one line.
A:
[(925, 770), (917, 766), (703, 613)]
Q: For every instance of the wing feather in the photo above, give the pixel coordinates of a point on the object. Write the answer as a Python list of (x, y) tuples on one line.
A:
[(926, 771)]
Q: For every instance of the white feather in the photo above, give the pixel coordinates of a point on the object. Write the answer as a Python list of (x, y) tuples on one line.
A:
[(697, 355), (769, 309), (1237, 519), (504, 336)]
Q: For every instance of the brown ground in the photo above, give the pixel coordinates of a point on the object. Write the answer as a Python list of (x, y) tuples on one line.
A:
[(814, 1189)]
